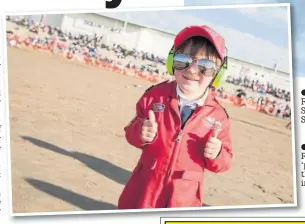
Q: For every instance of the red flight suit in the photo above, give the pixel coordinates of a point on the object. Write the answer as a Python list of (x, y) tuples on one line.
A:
[(171, 168)]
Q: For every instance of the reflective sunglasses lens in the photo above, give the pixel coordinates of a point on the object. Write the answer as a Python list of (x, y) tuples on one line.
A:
[(208, 64), (207, 67), (181, 61)]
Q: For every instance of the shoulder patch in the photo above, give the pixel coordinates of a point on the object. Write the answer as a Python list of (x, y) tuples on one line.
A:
[(151, 87), (226, 112), (224, 109)]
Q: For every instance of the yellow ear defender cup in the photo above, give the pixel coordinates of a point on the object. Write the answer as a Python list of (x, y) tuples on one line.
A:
[(219, 78), (169, 61)]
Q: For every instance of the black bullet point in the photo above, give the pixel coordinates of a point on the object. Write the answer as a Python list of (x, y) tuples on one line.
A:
[(303, 92), (303, 146)]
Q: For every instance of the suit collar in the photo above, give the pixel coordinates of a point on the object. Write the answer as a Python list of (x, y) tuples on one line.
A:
[(208, 101)]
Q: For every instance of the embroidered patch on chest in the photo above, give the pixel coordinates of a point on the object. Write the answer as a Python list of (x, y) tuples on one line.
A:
[(209, 122), (212, 123), (158, 107)]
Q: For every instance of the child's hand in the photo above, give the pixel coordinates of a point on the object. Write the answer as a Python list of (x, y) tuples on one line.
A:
[(149, 128), (213, 146)]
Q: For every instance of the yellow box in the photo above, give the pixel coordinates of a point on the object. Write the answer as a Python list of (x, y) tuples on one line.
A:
[(233, 222)]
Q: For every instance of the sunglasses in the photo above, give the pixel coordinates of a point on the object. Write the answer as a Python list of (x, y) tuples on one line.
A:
[(206, 66)]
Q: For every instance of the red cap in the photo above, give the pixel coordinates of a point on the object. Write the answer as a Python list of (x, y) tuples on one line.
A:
[(203, 31)]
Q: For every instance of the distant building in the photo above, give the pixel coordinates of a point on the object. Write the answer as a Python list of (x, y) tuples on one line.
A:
[(239, 68), (152, 40)]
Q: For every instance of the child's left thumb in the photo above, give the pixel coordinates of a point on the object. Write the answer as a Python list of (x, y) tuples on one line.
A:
[(216, 129)]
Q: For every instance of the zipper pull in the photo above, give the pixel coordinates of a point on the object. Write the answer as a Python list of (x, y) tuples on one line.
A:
[(179, 136), (169, 173)]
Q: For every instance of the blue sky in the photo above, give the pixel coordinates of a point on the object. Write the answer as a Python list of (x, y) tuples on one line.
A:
[(268, 29), (254, 34)]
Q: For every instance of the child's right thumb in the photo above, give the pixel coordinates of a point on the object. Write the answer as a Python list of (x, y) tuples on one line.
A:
[(151, 116)]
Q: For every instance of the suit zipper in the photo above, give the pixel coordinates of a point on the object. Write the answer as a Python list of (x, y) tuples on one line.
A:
[(175, 153), (179, 136)]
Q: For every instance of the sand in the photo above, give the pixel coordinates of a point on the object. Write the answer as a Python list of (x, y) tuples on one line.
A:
[(68, 151)]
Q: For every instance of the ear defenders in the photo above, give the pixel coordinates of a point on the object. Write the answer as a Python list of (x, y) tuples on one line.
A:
[(217, 80), (169, 61)]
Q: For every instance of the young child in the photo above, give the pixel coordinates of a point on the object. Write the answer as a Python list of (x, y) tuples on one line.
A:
[(180, 127)]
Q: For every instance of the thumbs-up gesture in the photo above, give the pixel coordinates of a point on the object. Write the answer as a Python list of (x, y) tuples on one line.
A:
[(149, 128), (213, 145)]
